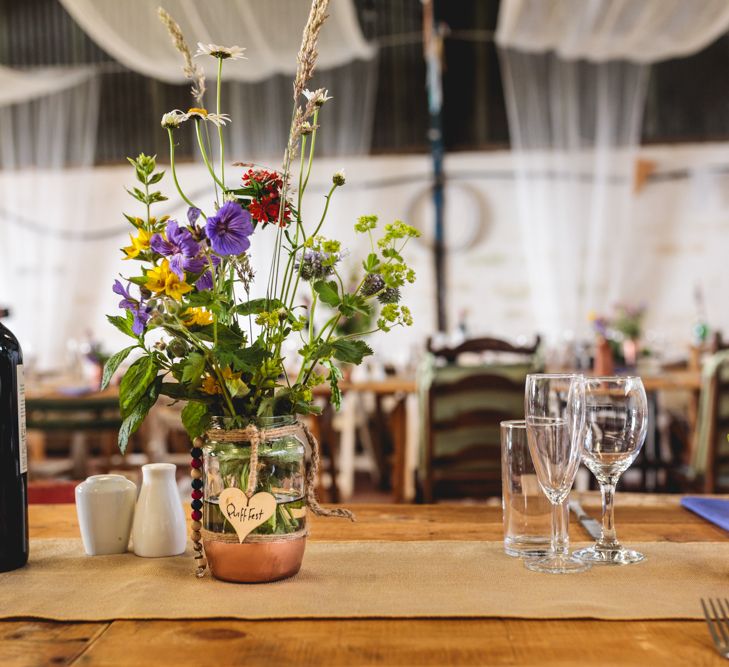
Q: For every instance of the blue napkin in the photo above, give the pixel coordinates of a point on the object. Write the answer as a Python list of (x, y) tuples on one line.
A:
[(711, 509)]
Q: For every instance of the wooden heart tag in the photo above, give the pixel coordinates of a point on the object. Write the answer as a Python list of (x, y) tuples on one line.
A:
[(246, 514)]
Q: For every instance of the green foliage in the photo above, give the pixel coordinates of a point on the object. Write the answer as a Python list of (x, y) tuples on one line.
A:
[(327, 292), (113, 363), (136, 382), (124, 324), (134, 418), (195, 418)]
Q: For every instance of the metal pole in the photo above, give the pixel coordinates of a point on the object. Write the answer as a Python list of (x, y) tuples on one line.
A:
[(433, 52)]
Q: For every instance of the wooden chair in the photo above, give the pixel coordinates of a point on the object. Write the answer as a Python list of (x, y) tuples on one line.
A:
[(76, 418), (464, 406), (716, 477)]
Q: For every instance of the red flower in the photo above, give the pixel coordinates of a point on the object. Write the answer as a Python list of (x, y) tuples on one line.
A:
[(265, 204)]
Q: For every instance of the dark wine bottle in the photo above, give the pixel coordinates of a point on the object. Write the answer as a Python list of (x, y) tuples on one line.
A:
[(13, 456)]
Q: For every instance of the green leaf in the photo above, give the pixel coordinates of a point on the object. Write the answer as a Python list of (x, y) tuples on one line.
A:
[(156, 178), (371, 263), (112, 364), (353, 303), (140, 375), (175, 390), (351, 351), (244, 359), (226, 335), (139, 280), (257, 306), (335, 375), (124, 324), (327, 292), (195, 418), (134, 419), (193, 368)]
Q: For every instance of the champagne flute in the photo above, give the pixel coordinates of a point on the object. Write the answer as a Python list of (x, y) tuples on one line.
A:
[(555, 416), (616, 423)]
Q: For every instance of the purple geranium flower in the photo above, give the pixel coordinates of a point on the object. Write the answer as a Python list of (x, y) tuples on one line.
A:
[(193, 214), (229, 229), (205, 281), (181, 249), (136, 307)]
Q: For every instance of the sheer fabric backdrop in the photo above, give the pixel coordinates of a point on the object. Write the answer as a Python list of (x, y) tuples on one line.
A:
[(575, 77)]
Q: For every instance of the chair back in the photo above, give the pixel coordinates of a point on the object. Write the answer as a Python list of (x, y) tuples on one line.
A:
[(716, 473), (463, 407)]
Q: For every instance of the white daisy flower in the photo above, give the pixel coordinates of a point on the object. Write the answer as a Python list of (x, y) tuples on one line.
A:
[(173, 119), (217, 119), (339, 178), (217, 51), (318, 96)]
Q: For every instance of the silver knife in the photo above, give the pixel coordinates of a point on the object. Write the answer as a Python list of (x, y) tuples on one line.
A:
[(592, 526)]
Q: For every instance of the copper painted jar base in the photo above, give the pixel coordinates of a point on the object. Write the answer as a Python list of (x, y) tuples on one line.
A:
[(255, 562)]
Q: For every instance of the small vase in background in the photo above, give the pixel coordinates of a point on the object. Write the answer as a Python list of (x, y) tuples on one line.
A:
[(105, 507), (604, 364), (630, 352), (159, 521)]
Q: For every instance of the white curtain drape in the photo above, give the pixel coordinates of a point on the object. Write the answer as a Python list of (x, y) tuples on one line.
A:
[(575, 78), (639, 30), (43, 212), (270, 30), (258, 92)]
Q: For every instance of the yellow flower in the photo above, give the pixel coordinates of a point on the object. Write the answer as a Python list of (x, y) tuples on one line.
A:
[(234, 384), (139, 243), (175, 287), (196, 316), (161, 279), (157, 277), (210, 385)]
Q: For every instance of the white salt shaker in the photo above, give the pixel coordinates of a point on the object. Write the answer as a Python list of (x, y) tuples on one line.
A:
[(105, 507), (159, 521)]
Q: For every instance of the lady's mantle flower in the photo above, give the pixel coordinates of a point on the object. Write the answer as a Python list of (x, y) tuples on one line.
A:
[(140, 243), (216, 51), (181, 249), (229, 229), (161, 279), (137, 308)]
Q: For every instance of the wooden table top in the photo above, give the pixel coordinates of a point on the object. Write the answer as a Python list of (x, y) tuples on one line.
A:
[(384, 642)]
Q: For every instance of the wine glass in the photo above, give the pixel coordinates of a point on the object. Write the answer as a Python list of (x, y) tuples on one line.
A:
[(555, 416), (616, 422)]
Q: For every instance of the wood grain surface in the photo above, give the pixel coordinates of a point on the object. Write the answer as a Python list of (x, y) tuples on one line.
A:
[(384, 642)]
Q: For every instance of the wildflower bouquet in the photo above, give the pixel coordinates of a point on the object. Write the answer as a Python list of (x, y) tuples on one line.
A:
[(213, 346)]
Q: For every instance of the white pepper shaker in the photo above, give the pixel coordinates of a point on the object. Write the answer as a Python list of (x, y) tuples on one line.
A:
[(159, 520), (105, 507)]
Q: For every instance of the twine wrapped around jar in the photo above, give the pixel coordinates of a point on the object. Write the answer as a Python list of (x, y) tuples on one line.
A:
[(256, 437)]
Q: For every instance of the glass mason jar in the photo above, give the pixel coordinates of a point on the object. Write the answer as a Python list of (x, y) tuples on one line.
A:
[(281, 471)]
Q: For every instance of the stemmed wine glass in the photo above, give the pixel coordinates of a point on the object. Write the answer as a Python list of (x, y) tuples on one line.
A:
[(555, 417), (616, 422)]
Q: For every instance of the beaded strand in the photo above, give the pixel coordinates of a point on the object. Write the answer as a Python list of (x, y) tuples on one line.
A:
[(197, 502)]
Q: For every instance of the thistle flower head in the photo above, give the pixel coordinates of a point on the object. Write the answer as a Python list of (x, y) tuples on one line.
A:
[(372, 284), (389, 295)]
